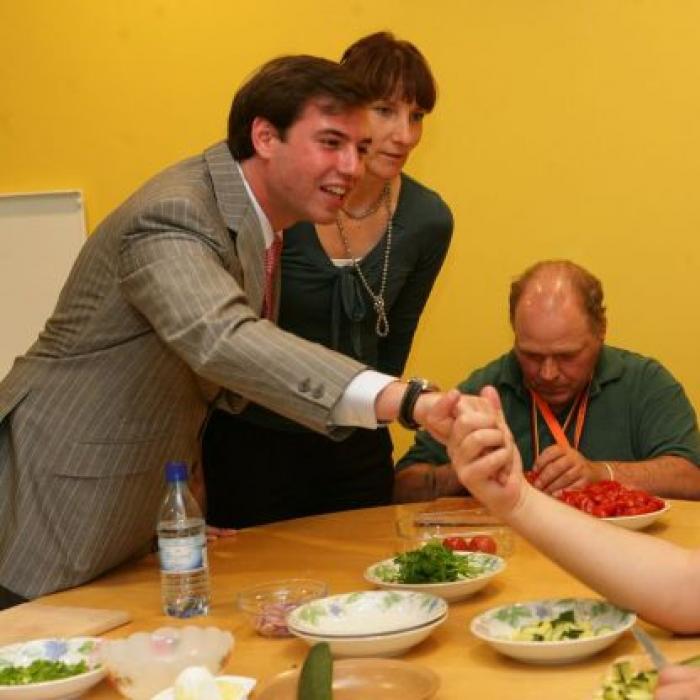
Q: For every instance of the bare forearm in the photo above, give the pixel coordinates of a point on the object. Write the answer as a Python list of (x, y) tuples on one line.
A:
[(655, 578), (667, 476), (424, 482)]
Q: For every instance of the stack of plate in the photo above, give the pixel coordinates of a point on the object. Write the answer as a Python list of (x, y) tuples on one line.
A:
[(369, 623)]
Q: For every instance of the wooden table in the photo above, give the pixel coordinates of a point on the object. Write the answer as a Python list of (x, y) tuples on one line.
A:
[(337, 548)]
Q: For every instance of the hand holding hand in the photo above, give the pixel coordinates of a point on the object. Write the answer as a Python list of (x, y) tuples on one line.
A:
[(678, 683), (436, 412), (484, 454), (558, 468)]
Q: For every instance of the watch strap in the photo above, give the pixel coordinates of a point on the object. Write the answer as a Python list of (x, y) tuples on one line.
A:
[(416, 387)]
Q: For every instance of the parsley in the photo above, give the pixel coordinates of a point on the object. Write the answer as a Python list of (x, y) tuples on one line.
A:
[(434, 563), (40, 671)]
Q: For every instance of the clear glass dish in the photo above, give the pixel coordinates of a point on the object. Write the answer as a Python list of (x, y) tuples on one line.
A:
[(418, 527)]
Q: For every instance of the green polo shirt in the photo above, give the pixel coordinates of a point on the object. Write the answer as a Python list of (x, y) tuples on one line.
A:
[(636, 411)]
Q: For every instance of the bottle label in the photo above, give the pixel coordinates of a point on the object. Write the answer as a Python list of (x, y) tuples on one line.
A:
[(180, 554)]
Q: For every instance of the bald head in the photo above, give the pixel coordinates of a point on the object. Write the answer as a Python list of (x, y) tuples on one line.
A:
[(555, 284), (559, 322)]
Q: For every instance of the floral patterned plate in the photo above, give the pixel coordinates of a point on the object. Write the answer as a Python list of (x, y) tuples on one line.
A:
[(69, 651), (368, 623), (489, 564), (498, 625)]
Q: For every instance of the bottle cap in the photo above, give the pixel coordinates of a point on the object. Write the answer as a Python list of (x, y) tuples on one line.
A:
[(175, 471)]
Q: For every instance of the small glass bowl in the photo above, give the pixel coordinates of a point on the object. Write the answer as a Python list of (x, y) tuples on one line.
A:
[(268, 604)]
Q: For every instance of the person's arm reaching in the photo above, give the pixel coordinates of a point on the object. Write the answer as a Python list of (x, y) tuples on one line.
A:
[(655, 578)]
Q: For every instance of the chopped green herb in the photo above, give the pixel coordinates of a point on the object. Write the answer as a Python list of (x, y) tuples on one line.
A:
[(432, 563), (40, 671)]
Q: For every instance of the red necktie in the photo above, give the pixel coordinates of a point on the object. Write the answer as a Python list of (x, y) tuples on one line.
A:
[(272, 257)]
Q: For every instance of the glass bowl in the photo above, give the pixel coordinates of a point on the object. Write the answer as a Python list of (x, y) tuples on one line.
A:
[(143, 664), (267, 605), (417, 528)]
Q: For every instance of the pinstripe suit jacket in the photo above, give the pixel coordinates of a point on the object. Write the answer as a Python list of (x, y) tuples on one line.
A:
[(158, 318)]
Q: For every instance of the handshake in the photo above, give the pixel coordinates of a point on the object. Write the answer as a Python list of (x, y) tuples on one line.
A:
[(479, 443)]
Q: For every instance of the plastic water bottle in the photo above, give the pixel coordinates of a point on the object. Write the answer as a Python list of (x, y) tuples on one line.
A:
[(182, 546)]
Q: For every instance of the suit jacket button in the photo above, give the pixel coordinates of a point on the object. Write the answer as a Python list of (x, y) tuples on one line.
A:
[(318, 391), (304, 386)]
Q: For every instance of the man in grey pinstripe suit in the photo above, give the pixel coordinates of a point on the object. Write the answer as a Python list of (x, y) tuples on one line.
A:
[(160, 317)]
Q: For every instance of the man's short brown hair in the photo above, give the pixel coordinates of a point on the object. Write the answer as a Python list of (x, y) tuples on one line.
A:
[(281, 89)]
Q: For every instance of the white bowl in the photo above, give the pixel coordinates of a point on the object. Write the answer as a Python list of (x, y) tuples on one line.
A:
[(638, 522), (450, 590), (496, 626), (146, 663), (241, 683), (70, 651), (368, 623), (390, 644)]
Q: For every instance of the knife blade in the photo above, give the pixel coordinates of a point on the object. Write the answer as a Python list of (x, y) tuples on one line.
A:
[(657, 658)]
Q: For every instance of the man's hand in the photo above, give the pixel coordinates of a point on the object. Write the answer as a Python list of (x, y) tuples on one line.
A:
[(436, 412), (678, 683), (559, 469), (484, 454)]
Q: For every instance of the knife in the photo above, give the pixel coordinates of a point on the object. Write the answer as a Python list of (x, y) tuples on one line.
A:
[(657, 658)]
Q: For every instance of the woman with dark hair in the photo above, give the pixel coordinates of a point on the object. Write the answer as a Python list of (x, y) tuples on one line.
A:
[(359, 286)]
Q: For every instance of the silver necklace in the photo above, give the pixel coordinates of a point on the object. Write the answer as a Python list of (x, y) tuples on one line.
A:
[(382, 326), (386, 191)]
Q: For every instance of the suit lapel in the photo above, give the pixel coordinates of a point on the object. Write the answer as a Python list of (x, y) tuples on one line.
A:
[(239, 214)]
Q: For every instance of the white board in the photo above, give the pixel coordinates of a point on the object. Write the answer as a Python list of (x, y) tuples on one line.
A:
[(40, 236)]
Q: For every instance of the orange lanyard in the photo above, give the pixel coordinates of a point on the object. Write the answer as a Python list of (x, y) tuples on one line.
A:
[(555, 428)]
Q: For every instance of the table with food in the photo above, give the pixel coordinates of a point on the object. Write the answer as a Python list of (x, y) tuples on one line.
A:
[(432, 600)]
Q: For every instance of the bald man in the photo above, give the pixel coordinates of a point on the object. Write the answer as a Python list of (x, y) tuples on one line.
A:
[(580, 411)]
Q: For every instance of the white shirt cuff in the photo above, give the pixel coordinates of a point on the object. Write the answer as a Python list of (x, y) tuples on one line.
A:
[(356, 406)]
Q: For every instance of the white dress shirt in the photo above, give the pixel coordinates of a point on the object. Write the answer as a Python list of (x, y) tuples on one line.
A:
[(356, 405)]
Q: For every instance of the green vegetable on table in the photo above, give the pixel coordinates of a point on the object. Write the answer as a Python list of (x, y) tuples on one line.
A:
[(40, 671), (624, 683), (432, 563), (557, 629), (316, 678)]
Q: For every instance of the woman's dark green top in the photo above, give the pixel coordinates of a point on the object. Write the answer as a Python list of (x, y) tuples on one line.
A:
[(327, 304)]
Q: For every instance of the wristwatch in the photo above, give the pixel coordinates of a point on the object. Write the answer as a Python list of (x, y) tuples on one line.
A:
[(416, 387)]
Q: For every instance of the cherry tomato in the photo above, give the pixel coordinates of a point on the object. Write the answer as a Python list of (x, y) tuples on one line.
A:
[(606, 499), (458, 544), (482, 543)]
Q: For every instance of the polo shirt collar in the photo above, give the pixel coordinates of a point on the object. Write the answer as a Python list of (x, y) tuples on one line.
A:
[(609, 368)]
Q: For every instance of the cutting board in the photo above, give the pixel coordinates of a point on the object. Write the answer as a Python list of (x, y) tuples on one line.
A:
[(36, 621)]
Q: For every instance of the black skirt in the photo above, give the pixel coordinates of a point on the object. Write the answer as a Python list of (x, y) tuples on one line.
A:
[(255, 475)]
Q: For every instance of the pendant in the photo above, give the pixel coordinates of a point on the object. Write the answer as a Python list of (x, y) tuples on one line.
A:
[(382, 326)]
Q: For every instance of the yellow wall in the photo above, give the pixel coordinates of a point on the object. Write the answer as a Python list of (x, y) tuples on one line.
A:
[(565, 128)]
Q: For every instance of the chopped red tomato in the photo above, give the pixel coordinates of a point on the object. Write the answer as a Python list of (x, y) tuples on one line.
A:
[(609, 499), (456, 544), (482, 543)]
